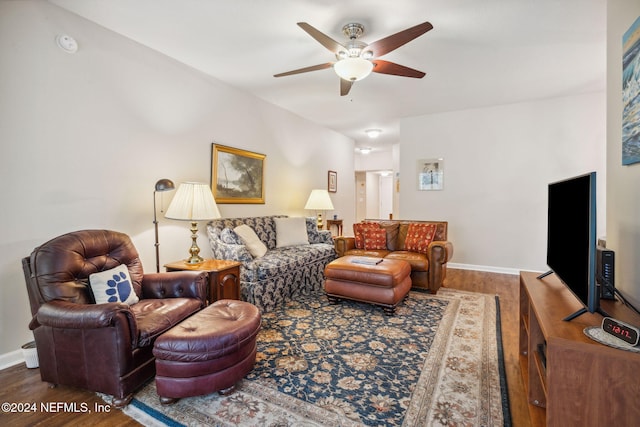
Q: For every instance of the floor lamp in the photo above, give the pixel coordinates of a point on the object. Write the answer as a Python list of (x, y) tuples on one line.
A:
[(161, 185)]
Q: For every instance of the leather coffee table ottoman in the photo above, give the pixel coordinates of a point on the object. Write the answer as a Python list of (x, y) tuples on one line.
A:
[(209, 351), (385, 284)]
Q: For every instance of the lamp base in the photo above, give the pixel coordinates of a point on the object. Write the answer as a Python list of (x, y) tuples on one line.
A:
[(194, 250), (319, 221), (194, 260)]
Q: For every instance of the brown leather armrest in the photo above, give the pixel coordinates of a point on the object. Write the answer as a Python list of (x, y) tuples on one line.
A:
[(440, 252), (176, 284), (69, 315), (343, 244)]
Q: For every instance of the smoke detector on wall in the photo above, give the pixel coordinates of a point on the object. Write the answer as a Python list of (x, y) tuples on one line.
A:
[(67, 43)]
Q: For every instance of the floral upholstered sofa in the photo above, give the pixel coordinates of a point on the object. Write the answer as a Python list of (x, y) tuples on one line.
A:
[(285, 270)]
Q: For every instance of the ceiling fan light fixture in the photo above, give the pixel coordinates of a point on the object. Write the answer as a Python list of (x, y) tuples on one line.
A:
[(367, 54), (353, 69)]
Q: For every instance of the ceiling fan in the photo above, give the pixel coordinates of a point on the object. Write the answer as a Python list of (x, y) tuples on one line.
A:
[(357, 59)]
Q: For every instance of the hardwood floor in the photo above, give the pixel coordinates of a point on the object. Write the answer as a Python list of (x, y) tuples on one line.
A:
[(507, 287), (21, 385)]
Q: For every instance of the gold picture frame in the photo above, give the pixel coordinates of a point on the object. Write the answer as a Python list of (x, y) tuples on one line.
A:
[(237, 176)]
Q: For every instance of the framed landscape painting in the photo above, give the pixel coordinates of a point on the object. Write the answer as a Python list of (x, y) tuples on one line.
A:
[(237, 176), (631, 94)]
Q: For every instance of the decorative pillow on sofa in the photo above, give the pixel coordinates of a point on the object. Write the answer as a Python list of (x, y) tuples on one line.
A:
[(230, 237), (375, 238), (392, 234), (291, 231), (251, 240), (359, 230), (113, 286), (419, 236), (312, 229)]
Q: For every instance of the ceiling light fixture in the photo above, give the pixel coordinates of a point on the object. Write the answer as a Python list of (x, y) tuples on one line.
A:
[(365, 150), (353, 69), (373, 133)]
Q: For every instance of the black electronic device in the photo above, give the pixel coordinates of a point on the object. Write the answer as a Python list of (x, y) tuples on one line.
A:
[(621, 330), (605, 265), (571, 239)]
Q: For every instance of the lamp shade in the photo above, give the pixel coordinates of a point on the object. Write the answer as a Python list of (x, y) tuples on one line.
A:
[(319, 200), (353, 69), (193, 202)]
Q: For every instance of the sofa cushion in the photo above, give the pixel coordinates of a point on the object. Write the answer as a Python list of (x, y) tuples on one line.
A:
[(419, 237), (375, 238), (391, 228), (376, 253), (282, 261), (155, 316), (113, 285), (291, 232), (359, 230), (418, 261), (402, 236), (251, 240)]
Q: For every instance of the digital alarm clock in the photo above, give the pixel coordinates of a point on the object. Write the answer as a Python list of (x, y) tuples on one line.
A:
[(621, 330)]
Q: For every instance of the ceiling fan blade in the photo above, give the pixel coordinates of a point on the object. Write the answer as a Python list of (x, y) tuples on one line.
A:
[(386, 67), (322, 38), (305, 69), (394, 41), (345, 86)]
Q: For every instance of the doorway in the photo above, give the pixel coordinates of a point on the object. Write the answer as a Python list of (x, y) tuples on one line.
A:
[(374, 194)]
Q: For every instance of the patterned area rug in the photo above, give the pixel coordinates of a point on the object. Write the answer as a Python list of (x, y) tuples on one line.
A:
[(438, 361)]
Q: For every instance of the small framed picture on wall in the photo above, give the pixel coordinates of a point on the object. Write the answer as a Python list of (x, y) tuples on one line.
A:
[(430, 173), (332, 185)]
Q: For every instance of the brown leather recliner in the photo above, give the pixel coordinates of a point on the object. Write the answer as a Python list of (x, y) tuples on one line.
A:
[(102, 347)]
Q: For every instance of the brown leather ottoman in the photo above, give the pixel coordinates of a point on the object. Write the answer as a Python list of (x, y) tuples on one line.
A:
[(385, 284), (210, 351)]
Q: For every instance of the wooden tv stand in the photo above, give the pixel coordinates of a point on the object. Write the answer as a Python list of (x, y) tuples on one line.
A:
[(581, 382)]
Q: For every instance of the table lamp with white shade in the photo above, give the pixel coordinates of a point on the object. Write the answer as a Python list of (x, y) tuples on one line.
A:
[(319, 201), (193, 202)]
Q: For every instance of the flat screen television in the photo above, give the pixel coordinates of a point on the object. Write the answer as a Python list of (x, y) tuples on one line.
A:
[(571, 238)]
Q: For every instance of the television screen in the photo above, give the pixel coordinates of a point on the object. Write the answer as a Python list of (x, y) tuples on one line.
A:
[(571, 238)]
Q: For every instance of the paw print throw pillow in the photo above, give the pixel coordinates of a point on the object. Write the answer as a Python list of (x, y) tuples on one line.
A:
[(113, 286)]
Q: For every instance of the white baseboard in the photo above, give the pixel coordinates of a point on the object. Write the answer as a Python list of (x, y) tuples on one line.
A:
[(8, 360), (485, 268)]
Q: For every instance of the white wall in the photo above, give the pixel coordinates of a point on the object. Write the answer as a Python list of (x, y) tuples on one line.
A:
[(378, 159), (623, 182), (497, 164), (85, 136)]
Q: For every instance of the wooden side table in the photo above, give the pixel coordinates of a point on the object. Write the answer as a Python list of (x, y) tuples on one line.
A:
[(337, 223), (224, 276)]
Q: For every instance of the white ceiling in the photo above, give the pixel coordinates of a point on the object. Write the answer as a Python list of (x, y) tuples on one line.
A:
[(480, 53)]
